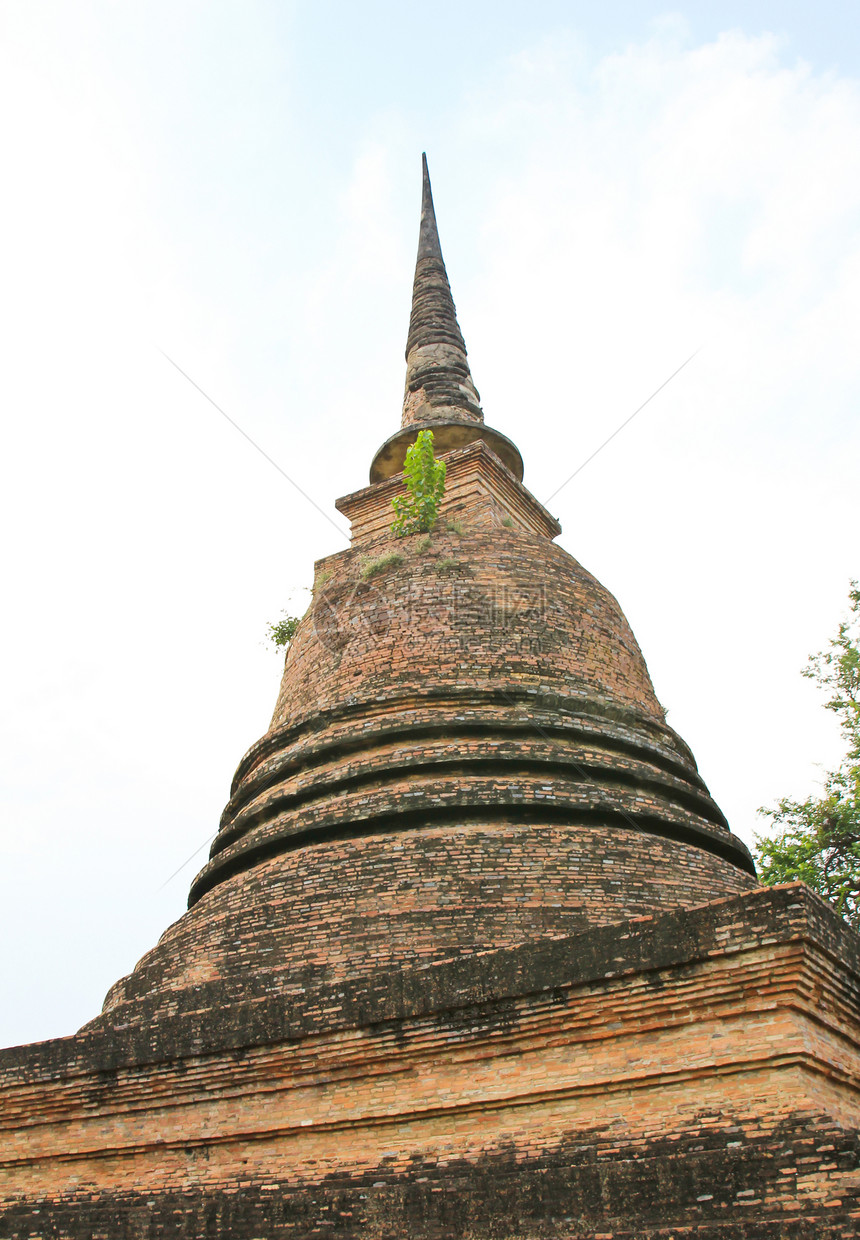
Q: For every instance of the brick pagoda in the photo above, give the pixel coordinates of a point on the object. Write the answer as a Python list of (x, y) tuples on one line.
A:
[(475, 954)]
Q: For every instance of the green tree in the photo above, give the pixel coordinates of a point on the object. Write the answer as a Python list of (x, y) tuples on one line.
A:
[(818, 840), (417, 511)]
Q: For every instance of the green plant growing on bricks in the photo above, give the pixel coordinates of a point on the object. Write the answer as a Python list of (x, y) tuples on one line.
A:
[(282, 632), (818, 840), (417, 511), (370, 568)]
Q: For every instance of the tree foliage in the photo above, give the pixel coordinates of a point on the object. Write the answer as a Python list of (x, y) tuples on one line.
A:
[(417, 511), (818, 840)]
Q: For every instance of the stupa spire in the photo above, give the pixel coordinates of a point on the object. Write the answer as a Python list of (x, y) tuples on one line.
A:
[(438, 380), (440, 394)]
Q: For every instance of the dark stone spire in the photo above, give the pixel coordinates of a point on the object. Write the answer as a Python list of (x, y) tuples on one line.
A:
[(438, 381), (428, 235), (440, 394), (437, 372)]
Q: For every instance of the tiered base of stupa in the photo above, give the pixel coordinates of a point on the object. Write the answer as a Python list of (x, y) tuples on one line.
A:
[(690, 1074)]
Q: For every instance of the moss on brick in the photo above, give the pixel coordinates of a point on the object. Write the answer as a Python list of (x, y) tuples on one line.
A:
[(371, 568)]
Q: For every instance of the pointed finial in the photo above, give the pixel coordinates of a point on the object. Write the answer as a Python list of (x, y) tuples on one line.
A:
[(440, 394), (437, 372), (428, 236)]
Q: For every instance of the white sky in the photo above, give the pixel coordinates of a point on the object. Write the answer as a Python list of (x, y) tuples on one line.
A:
[(238, 184)]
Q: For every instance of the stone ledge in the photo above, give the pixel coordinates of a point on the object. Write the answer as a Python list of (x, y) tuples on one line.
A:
[(480, 490), (450, 989), (543, 706), (587, 1186)]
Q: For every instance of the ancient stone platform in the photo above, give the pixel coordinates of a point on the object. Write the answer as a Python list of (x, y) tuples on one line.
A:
[(666, 1075)]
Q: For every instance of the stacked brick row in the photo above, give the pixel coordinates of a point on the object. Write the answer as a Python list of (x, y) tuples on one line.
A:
[(691, 1074)]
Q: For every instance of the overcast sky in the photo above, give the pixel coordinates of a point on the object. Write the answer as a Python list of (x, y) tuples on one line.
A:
[(238, 185)]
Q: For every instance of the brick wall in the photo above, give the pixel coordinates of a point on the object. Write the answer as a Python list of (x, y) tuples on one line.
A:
[(349, 907), (694, 1073)]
